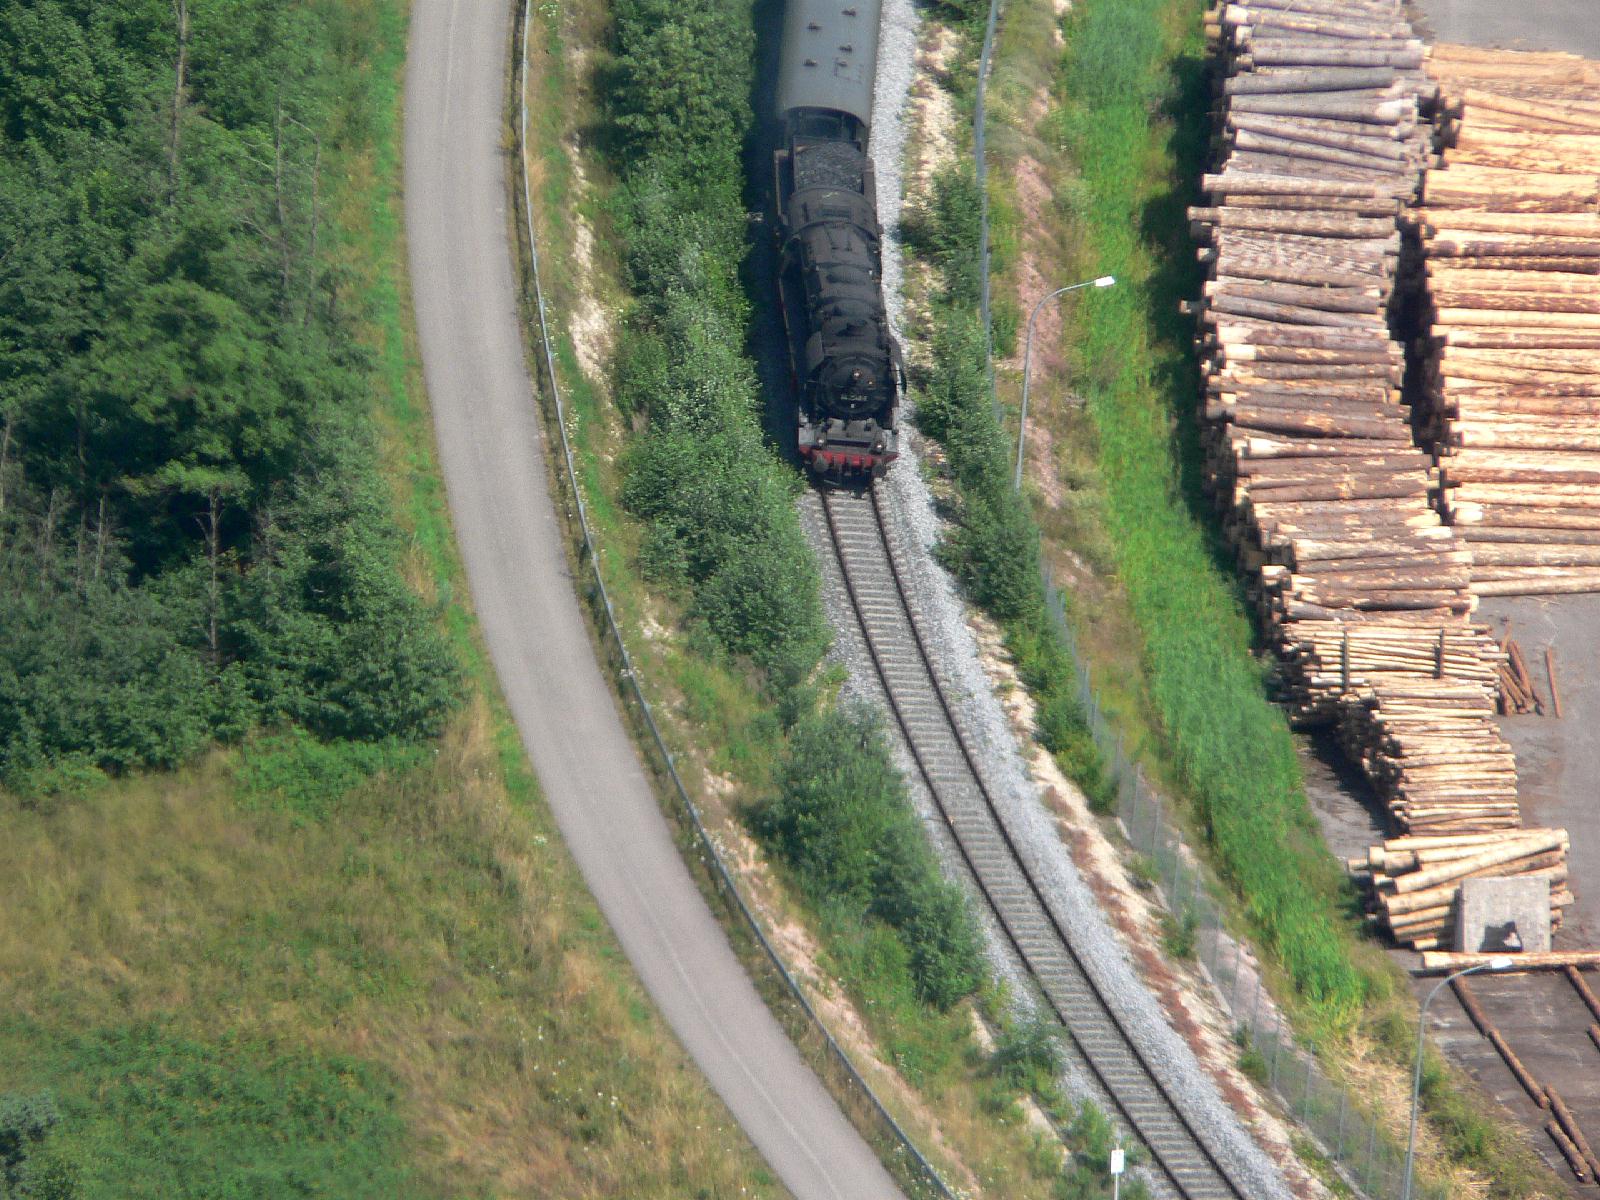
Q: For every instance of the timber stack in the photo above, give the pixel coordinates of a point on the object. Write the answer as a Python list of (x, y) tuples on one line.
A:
[(1511, 238), (1309, 449), (1415, 881)]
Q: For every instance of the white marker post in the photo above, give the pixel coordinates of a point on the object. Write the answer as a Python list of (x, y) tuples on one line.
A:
[(1117, 1161)]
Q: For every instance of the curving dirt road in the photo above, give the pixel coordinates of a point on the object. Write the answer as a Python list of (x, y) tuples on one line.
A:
[(492, 449)]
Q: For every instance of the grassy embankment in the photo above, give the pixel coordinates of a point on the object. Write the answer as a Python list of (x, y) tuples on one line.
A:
[(641, 242), (298, 968), (1112, 126)]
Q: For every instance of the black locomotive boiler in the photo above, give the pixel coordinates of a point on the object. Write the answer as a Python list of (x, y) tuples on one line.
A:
[(844, 363)]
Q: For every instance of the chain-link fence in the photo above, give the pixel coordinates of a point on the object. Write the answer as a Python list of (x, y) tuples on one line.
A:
[(1365, 1154)]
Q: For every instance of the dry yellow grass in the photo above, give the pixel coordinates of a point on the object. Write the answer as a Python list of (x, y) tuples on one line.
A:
[(194, 962), (431, 926)]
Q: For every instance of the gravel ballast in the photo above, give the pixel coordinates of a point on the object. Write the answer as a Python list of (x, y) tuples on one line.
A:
[(909, 506)]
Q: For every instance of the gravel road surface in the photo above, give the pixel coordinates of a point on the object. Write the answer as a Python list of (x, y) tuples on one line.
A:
[(493, 453)]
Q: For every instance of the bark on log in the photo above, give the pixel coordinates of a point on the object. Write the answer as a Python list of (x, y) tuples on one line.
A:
[(1476, 98), (1569, 1126), (1308, 81), (1585, 993), (1575, 1160), (1238, 184)]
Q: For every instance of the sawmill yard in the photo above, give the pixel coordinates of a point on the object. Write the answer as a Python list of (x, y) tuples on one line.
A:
[(1399, 336)]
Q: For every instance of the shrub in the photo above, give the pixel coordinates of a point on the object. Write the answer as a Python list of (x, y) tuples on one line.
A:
[(1005, 317), (1063, 727), (1088, 1174), (679, 88), (328, 633), (1178, 933), (994, 546), (175, 341), (29, 1170), (719, 507), (1027, 1054), (840, 818), (946, 230)]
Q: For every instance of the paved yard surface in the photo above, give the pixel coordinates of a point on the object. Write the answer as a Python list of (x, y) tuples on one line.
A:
[(1529, 25)]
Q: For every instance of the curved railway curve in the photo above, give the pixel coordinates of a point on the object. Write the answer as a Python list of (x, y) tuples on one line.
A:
[(493, 455), (869, 559)]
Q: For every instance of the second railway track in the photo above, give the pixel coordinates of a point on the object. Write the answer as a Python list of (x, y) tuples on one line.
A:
[(889, 623)]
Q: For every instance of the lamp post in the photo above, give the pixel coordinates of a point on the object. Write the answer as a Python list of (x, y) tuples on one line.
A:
[(1500, 962), (1027, 361)]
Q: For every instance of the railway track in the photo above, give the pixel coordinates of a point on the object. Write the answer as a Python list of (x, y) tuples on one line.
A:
[(869, 559)]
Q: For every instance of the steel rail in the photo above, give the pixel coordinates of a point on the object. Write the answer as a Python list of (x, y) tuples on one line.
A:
[(889, 623)]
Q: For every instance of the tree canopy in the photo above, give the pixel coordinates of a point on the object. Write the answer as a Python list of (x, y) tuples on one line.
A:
[(193, 537)]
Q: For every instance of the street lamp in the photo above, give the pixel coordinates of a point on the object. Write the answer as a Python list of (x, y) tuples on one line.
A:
[(1501, 962), (1104, 281)]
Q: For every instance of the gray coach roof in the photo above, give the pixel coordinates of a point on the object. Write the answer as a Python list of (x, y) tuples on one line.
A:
[(830, 56)]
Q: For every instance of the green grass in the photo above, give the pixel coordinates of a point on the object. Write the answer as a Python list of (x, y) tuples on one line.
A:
[(426, 945), (1158, 605), (1126, 67), (295, 969), (154, 1114)]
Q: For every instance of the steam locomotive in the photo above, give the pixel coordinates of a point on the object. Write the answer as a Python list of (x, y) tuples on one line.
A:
[(844, 363)]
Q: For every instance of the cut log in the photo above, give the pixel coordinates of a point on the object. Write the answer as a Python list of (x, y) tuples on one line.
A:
[(1553, 960)]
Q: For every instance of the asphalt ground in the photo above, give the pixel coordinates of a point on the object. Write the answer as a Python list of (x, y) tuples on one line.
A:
[(1572, 25), (494, 457)]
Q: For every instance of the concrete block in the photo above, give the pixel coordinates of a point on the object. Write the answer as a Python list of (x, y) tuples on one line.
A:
[(1504, 914)]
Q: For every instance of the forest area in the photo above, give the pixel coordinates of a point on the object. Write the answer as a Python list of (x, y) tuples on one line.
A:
[(338, 948), (194, 538)]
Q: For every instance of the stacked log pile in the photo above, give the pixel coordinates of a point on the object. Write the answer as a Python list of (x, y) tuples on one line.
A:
[(1311, 457), (1511, 237), (1309, 449), (1414, 881)]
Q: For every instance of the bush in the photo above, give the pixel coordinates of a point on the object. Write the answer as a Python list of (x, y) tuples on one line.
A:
[(840, 818), (994, 546), (946, 229), (719, 507), (1179, 931), (106, 674), (679, 89), (328, 633), (176, 339), (1088, 1175), (1005, 318), (1063, 727), (1027, 1054)]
